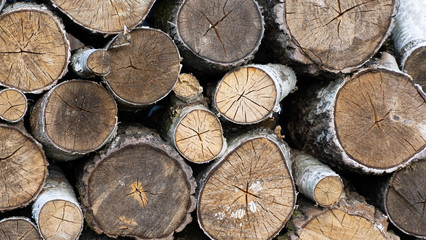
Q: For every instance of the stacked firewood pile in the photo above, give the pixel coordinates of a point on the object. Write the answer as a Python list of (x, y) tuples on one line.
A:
[(220, 119)]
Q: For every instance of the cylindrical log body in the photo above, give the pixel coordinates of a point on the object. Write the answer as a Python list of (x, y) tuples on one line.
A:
[(18, 228), (252, 93), (89, 62), (249, 192), (138, 186), (56, 210), (74, 118), (13, 105)]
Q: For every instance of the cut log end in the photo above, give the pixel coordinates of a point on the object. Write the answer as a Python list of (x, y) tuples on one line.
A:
[(328, 190), (187, 87), (380, 119), (413, 65), (99, 62), (18, 228), (248, 194), (13, 105)]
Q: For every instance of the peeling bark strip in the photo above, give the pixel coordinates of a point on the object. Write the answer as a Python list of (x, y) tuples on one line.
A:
[(74, 118), (409, 36), (88, 62), (315, 179), (34, 50), (13, 105), (138, 187), (107, 16), (18, 228), (217, 35), (374, 121), (24, 168), (249, 192), (336, 36), (405, 199), (252, 93), (144, 70)]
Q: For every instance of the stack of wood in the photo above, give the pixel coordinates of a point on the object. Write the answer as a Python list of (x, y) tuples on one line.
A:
[(205, 119)]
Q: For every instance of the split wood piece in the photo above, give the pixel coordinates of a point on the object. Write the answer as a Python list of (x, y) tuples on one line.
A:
[(352, 218), (404, 199), (335, 36), (249, 192), (23, 168), (144, 70), (373, 121), (18, 228), (196, 133), (56, 210), (88, 62), (13, 105), (217, 35), (316, 180), (409, 36), (138, 187), (106, 17), (34, 50), (74, 118), (252, 93), (187, 88)]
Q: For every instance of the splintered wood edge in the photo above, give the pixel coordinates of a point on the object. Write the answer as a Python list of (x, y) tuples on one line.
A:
[(24, 219), (187, 87), (151, 139), (22, 102)]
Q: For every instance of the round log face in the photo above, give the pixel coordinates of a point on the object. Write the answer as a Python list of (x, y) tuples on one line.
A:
[(249, 195), (105, 16), (99, 62), (15, 228), (223, 31), (146, 70), (328, 190), (199, 136), (380, 118), (335, 224), (187, 86), (23, 168), (138, 191), (405, 199), (246, 95), (34, 51), (13, 105), (337, 34), (80, 115), (60, 220), (415, 66)]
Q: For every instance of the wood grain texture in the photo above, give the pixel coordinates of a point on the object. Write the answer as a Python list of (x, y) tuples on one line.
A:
[(89, 62), (34, 50), (188, 88), (13, 105), (18, 228)]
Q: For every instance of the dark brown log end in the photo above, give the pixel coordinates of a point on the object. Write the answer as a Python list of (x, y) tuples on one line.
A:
[(13, 105), (18, 228)]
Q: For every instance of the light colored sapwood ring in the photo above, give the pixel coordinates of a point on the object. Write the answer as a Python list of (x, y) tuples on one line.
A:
[(13, 105), (18, 228)]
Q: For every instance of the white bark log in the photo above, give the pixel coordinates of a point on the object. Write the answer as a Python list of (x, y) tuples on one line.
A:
[(79, 62)]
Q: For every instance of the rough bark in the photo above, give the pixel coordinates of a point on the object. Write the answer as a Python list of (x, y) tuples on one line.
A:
[(145, 65), (138, 187), (409, 36), (372, 121), (23, 168), (74, 118), (89, 62), (216, 36), (18, 228), (2, 2), (249, 192), (34, 50), (13, 105), (187, 88), (316, 180), (56, 210), (333, 35), (252, 93), (107, 17)]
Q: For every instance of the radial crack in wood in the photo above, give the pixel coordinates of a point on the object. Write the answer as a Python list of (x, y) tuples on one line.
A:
[(13, 105), (18, 228)]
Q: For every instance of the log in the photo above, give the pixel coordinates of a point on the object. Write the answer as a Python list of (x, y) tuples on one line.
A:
[(333, 36), (108, 17), (145, 65), (138, 186), (23, 168), (74, 118), (372, 121), (34, 50), (352, 218), (316, 180), (409, 37), (188, 88), (216, 36), (196, 133), (2, 2), (13, 105), (18, 228), (249, 192), (88, 62), (56, 210), (252, 93)]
